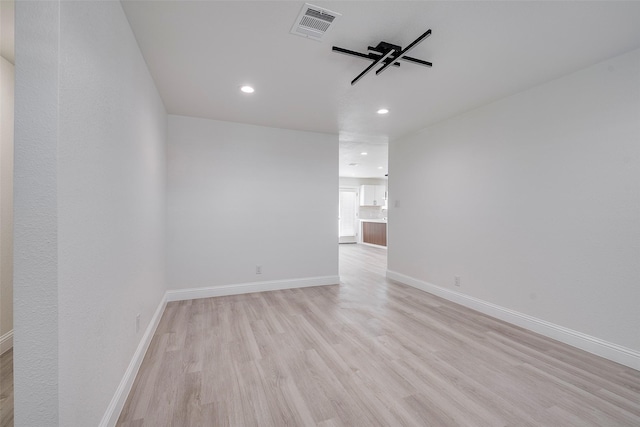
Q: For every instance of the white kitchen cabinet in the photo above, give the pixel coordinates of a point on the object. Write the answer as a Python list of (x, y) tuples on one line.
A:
[(372, 195)]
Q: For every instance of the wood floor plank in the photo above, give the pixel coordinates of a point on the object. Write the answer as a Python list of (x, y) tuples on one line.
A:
[(6, 388), (366, 352)]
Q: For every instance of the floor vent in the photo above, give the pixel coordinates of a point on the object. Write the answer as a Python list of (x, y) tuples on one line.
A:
[(314, 22)]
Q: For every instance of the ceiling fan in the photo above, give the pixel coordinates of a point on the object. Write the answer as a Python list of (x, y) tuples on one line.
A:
[(386, 54)]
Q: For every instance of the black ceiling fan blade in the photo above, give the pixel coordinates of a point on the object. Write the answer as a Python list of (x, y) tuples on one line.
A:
[(350, 52), (370, 56), (376, 62), (417, 61), (405, 50)]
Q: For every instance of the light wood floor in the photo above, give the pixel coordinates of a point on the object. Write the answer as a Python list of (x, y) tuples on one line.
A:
[(6, 389), (366, 353)]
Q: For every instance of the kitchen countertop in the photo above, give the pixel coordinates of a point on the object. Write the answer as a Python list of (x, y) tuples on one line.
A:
[(384, 221)]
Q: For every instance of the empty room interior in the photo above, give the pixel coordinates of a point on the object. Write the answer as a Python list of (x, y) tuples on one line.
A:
[(269, 213)]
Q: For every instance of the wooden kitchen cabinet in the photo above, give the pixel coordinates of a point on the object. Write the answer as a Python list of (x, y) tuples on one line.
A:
[(374, 233), (372, 195)]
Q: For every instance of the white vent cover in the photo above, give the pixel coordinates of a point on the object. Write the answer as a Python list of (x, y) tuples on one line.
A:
[(314, 22)]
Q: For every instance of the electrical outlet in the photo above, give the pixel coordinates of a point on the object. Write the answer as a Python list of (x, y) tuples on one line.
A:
[(258, 269), (456, 280), (137, 323)]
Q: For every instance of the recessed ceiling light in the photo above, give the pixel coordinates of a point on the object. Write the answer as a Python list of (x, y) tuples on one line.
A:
[(383, 111), (364, 153), (380, 167), (247, 89)]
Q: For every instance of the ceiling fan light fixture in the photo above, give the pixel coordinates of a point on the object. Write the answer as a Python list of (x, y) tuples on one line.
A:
[(386, 55)]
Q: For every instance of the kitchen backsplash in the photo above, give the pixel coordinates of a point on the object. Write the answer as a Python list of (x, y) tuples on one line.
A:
[(372, 212)]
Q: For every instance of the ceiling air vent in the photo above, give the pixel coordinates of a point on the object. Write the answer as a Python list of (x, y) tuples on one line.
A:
[(314, 22)]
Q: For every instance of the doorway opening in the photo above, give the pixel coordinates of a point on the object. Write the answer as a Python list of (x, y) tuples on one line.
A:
[(347, 221), (363, 190)]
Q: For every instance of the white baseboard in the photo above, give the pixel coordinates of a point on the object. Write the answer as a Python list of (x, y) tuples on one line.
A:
[(110, 417), (614, 352), (247, 288), (6, 342)]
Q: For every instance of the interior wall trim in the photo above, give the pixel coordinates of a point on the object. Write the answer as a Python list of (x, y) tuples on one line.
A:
[(114, 409), (247, 288), (597, 346), (6, 342)]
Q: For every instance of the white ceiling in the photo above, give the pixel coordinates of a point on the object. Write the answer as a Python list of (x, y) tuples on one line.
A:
[(373, 164), (200, 52)]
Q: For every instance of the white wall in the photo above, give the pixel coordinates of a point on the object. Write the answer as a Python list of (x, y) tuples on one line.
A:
[(533, 200), (102, 172), (6, 196), (240, 196), (35, 250), (357, 182)]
